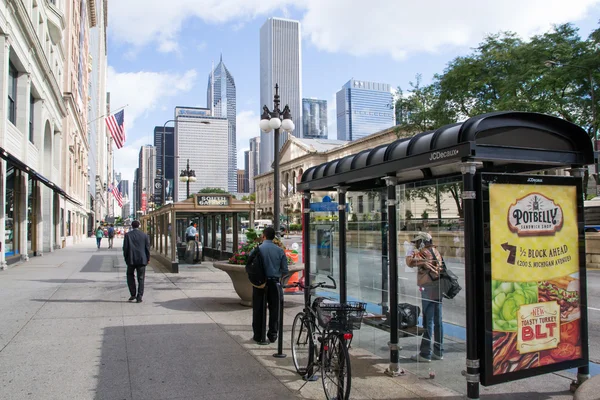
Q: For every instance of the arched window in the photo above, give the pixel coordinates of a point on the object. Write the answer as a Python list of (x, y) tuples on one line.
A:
[(294, 183)]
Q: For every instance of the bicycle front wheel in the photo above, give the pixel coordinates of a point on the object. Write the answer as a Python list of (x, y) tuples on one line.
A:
[(335, 369), (302, 344)]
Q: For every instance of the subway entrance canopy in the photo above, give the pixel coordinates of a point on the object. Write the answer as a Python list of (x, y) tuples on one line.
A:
[(502, 141), (496, 149)]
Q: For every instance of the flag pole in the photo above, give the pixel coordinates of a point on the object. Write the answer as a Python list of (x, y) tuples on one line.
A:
[(106, 115)]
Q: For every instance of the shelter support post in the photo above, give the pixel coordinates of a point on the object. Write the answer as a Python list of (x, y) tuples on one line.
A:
[(342, 241), (306, 244), (394, 367), (235, 228), (583, 373), (384, 253), (469, 169)]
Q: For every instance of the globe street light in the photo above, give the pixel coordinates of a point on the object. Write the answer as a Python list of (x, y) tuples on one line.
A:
[(187, 175), (276, 120)]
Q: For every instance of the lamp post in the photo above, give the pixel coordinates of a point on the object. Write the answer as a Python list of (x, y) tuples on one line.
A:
[(551, 63), (276, 120), (187, 175)]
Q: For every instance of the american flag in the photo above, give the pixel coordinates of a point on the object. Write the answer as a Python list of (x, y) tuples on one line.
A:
[(116, 126), (117, 194)]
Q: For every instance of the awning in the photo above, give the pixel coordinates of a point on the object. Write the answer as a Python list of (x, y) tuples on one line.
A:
[(503, 141), (23, 167)]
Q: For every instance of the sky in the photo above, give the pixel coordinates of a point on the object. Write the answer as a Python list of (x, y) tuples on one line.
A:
[(160, 52)]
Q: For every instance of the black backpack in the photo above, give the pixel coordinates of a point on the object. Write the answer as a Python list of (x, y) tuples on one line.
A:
[(256, 270)]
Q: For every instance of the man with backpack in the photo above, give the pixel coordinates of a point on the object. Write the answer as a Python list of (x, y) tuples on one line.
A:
[(274, 264), (111, 235)]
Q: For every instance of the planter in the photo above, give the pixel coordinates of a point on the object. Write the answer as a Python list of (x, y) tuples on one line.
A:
[(240, 281)]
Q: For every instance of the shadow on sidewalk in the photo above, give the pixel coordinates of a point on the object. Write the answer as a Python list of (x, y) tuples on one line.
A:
[(63, 280), (188, 361), (78, 301)]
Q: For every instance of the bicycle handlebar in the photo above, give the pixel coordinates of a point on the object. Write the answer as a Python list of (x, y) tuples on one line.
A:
[(314, 285)]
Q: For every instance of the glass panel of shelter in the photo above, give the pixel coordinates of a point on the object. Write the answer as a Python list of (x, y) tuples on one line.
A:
[(324, 251), (433, 207)]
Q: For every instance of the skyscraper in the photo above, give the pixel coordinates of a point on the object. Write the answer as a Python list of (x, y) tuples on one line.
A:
[(221, 101), (363, 108), (314, 118), (253, 162), (169, 167), (201, 139), (124, 188), (280, 63)]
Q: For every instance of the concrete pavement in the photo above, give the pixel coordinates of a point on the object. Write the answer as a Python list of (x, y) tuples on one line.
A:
[(67, 331)]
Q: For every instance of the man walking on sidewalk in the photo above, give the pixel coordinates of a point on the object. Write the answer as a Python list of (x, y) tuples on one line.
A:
[(111, 235), (136, 251), (275, 264)]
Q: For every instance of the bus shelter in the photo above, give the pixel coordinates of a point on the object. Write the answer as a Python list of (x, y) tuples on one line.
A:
[(514, 183), (221, 220)]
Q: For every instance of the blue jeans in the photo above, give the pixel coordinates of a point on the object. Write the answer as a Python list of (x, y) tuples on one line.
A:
[(434, 330), (98, 240)]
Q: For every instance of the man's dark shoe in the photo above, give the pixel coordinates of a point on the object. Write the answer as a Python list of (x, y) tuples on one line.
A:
[(272, 339), (255, 340), (139, 300), (132, 298)]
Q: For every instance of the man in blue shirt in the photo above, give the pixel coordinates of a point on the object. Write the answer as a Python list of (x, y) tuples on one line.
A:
[(190, 232), (275, 264)]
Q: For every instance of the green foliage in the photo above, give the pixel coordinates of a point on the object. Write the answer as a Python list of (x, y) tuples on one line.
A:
[(408, 214), (425, 215), (295, 227), (213, 190)]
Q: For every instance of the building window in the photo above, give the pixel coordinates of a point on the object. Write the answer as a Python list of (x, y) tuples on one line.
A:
[(68, 223), (360, 205), (372, 203), (62, 222), (31, 111), (10, 212), (12, 93)]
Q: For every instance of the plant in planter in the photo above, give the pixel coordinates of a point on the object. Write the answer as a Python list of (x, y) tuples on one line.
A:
[(240, 257)]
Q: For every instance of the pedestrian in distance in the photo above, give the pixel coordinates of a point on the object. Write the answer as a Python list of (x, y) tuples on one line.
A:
[(275, 265), (99, 236), (111, 235), (191, 233), (428, 260), (136, 251)]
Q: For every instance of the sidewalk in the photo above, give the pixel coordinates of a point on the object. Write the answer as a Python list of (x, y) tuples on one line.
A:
[(67, 331)]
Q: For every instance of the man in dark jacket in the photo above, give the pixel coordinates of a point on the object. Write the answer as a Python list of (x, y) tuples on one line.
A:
[(136, 251), (275, 264), (111, 235)]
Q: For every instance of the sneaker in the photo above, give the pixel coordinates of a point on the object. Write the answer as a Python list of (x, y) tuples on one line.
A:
[(419, 357), (436, 357)]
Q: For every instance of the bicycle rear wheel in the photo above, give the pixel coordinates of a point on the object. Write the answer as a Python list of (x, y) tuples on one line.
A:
[(335, 368), (302, 343)]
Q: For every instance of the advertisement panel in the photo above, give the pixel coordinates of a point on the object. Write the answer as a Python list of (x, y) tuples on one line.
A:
[(144, 202), (535, 278)]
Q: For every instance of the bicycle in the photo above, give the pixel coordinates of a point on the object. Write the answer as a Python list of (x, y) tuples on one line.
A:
[(331, 325)]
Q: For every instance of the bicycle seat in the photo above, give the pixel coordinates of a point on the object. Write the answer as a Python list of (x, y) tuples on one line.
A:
[(322, 299)]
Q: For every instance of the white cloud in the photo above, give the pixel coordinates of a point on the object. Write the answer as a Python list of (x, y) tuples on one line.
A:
[(246, 129), (396, 28), (145, 91)]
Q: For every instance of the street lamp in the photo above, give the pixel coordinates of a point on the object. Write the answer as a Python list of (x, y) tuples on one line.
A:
[(276, 120), (552, 63), (187, 175)]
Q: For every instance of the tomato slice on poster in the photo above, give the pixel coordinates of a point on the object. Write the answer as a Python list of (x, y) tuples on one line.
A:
[(564, 351), (569, 332), (547, 360)]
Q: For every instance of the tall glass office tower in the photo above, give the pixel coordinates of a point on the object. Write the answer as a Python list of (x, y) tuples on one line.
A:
[(221, 101), (314, 119), (363, 108), (280, 62)]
